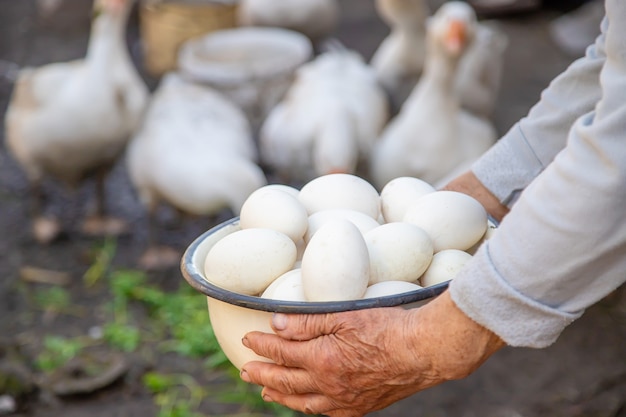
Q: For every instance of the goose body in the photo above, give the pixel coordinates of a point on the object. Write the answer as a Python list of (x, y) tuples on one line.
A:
[(328, 120), (194, 151), (69, 120), (317, 19), (432, 135)]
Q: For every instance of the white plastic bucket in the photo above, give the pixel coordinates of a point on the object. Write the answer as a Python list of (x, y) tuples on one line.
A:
[(253, 66)]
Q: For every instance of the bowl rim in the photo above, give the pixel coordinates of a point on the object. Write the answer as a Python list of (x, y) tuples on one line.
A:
[(297, 49), (195, 278)]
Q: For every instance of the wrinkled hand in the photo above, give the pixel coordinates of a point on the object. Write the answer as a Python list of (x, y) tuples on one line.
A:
[(468, 183), (353, 363)]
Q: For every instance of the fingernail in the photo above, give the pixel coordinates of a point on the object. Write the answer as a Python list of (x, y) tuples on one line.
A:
[(267, 398), (244, 375), (279, 321), (245, 342)]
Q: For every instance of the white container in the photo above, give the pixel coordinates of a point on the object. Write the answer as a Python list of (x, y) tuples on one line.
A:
[(253, 66)]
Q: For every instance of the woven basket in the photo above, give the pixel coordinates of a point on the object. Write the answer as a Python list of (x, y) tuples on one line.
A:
[(165, 25)]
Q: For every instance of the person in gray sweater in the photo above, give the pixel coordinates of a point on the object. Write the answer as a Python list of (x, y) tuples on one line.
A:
[(557, 182)]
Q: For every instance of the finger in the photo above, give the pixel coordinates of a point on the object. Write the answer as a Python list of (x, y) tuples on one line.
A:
[(283, 352), (307, 403), (286, 380), (303, 326)]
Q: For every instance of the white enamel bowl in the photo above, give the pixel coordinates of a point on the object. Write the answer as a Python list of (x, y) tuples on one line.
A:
[(233, 315)]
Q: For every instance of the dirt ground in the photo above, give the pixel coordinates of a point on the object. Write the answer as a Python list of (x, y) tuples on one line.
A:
[(582, 374)]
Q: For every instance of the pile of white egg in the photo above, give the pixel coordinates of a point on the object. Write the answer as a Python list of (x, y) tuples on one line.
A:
[(338, 239)]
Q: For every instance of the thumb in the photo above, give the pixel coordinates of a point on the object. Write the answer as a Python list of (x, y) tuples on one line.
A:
[(303, 326)]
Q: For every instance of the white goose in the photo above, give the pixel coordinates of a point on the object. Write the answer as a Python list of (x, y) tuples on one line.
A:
[(316, 19), (432, 135), (71, 120), (480, 72), (328, 120), (195, 153), (399, 58)]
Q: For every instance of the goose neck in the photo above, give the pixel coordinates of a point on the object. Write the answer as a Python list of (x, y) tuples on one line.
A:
[(107, 37), (440, 69), (411, 33)]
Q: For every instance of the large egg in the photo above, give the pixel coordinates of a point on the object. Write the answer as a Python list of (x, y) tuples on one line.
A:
[(361, 220), (287, 287), (272, 208), (398, 195), (398, 252), (444, 266), (491, 229), (335, 265), (453, 220), (385, 288), (247, 261), (340, 191), (293, 191)]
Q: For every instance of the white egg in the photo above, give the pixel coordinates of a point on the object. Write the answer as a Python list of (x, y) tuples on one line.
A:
[(272, 208), (340, 191), (335, 265), (444, 266), (381, 289), (287, 287), (453, 220), (398, 252), (361, 220), (293, 191), (247, 261), (398, 195), (491, 229)]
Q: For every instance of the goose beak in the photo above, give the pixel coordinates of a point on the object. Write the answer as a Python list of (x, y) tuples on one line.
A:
[(456, 36)]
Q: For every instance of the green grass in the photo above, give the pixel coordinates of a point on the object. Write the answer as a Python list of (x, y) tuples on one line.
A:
[(101, 264), (57, 351), (140, 315), (54, 299)]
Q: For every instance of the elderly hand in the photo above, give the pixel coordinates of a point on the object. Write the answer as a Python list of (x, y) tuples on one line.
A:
[(353, 363), (469, 184)]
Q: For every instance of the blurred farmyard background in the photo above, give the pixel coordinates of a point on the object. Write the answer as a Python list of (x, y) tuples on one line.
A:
[(97, 318)]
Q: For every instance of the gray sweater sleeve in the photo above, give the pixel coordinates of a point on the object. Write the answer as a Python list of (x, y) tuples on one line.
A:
[(562, 247), (532, 143)]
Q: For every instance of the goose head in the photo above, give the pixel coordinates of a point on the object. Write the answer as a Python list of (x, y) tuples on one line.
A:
[(452, 29)]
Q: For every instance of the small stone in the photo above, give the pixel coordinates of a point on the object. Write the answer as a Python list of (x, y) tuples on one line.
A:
[(8, 405)]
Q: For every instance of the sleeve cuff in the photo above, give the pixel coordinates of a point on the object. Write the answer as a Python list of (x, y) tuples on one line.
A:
[(508, 167), (484, 296)]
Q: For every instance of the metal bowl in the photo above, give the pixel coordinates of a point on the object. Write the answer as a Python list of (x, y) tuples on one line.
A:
[(233, 315)]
